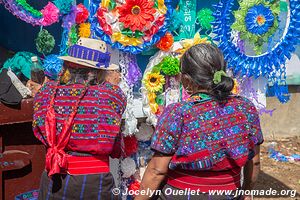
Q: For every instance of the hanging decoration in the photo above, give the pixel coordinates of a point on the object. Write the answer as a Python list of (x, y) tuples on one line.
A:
[(128, 167), (134, 73), (176, 21), (187, 10), (46, 17), (84, 30), (154, 82), (69, 19), (64, 6), (266, 64), (44, 42), (161, 84), (73, 37), (188, 43), (127, 62), (169, 66), (256, 21), (82, 14), (52, 66), (205, 17), (166, 42), (50, 14), (134, 187), (145, 132), (131, 26), (131, 145)]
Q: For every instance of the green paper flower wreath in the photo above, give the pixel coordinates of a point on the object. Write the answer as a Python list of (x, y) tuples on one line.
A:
[(257, 21), (73, 37), (29, 8), (44, 42), (205, 18), (170, 66)]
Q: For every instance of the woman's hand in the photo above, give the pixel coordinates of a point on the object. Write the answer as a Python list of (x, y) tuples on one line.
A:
[(35, 87), (155, 173)]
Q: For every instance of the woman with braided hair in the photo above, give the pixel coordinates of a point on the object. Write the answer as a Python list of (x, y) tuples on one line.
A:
[(202, 143), (78, 119)]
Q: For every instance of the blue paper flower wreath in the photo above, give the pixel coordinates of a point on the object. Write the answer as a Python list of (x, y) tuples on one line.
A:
[(130, 49), (259, 19), (262, 65)]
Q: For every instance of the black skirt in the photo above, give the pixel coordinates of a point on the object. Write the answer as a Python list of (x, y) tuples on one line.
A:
[(66, 187)]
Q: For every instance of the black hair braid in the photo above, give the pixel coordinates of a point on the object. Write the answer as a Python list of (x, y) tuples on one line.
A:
[(201, 62)]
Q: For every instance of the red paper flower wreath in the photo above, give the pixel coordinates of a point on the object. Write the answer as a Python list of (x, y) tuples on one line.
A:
[(82, 14), (102, 21), (166, 42), (131, 145), (134, 187), (137, 14)]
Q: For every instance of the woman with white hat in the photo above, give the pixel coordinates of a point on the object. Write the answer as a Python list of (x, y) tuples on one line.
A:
[(78, 120)]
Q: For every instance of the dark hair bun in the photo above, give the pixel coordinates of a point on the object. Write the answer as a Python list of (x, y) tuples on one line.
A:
[(223, 89)]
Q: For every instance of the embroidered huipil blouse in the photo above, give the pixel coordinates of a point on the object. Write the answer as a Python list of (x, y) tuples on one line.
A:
[(96, 126), (205, 135)]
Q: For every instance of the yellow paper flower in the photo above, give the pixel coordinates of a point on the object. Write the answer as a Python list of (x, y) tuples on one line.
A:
[(105, 3), (188, 43), (154, 82), (84, 30), (151, 97), (161, 6), (125, 40), (235, 89), (153, 107)]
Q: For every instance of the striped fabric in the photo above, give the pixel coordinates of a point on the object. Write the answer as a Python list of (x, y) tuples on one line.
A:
[(85, 53), (80, 187), (177, 194), (96, 126)]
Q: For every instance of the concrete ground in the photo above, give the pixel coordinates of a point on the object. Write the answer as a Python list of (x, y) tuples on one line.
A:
[(285, 120)]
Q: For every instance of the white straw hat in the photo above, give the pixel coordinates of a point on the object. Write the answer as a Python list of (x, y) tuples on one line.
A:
[(90, 53)]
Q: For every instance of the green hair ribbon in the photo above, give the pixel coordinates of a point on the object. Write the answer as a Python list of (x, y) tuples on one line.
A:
[(218, 76)]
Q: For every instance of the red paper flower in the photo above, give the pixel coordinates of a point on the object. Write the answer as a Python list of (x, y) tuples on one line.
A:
[(82, 14), (131, 145), (102, 21), (166, 42), (137, 14), (134, 186)]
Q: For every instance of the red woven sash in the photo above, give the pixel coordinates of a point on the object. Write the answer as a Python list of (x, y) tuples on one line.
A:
[(56, 161), (205, 180)]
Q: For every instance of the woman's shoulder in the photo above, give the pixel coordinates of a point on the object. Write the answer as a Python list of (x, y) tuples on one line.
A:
[(45, 89), (112, 91), (243, 100), (110, 86)]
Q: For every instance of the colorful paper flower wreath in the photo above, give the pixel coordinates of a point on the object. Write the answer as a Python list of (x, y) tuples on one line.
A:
[(47, 16), (257, 21), (160, 84), (267, 64), (131, 25)]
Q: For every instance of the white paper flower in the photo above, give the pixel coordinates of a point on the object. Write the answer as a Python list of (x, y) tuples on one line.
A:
[(128, 167), (145, 132)]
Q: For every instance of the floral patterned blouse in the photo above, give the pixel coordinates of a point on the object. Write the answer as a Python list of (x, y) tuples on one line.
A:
[(203, 134), (96, 126)]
